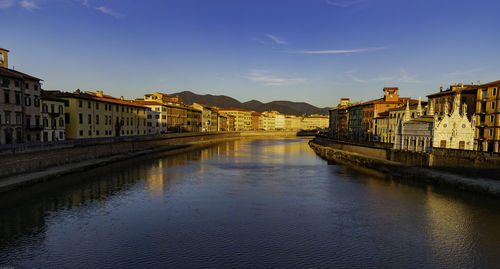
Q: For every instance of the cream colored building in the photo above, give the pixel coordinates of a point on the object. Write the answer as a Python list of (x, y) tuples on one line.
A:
[(19, 105), (242, 118), (313, 122), (278, 118), (267, 122), (156, 117), (53, 122)]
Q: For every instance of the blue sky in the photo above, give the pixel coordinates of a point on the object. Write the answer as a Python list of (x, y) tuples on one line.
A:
[(300, 50)]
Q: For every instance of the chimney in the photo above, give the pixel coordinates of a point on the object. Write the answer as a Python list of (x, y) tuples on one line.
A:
[(4, 58)]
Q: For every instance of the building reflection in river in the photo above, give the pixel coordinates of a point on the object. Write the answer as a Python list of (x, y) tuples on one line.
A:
[(274, 197)]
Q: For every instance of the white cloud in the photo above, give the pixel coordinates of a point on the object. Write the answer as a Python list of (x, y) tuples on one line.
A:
[(344, 3), (339, 51), (109, 11), (276, 39), (264, 77), (6, 3), (29, 5), (403, 77)]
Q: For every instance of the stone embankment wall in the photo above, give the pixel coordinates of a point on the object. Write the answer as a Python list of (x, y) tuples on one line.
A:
[(19, 159), (476, 163), (13, 163), (411, 170)]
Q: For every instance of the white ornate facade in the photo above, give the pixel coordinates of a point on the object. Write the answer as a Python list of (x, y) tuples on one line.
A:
[(452, 131)]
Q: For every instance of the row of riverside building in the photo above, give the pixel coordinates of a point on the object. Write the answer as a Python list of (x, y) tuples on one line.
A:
[(29, 114), (463, 117)]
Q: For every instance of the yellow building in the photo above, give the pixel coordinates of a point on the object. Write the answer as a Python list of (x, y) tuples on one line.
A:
[(487, 136), (93, 115), (315, 122), (243, 118), (53, 123), (267, 123)]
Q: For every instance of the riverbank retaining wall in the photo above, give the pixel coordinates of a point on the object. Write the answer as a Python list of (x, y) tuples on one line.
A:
[(19, 162), (21, 159), (411, 167)]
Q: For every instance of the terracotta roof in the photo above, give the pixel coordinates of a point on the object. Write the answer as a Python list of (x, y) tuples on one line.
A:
[(489, 84), (16, 74), (148, 103), (87, 96), (234, 108)]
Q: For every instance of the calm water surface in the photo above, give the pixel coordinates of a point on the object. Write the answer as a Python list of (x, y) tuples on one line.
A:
[(247, 203)]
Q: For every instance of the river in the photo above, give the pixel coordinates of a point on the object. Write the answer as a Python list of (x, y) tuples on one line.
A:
[(256, 203)]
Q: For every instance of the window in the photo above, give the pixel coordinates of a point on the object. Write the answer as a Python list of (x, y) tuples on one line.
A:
[(494, 91), (37, 121), (81, 133), (7, 117), (66, 117), (80, 118), (97, 106), (490, 132), (27, 100), (492, 118), (18, 98), (37, 101), (61, 123), (6, 97), (89, 105), (97, 132), (80, 103), (45, 108), (18, 118), (61, 111), (52, 108), (443, 143), (89, 119), (96, 119), (45, 122), (27, 86), (36, 87), (90, 133), (492, 105)]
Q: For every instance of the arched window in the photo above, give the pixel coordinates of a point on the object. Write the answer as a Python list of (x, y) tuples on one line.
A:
[(61, 109), (45, 108)]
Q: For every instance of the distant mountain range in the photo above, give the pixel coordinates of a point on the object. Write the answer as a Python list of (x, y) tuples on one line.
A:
[(286, 107)]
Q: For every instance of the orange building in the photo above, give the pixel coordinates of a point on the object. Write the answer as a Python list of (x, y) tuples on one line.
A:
[(255, 120), (371, 109)]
